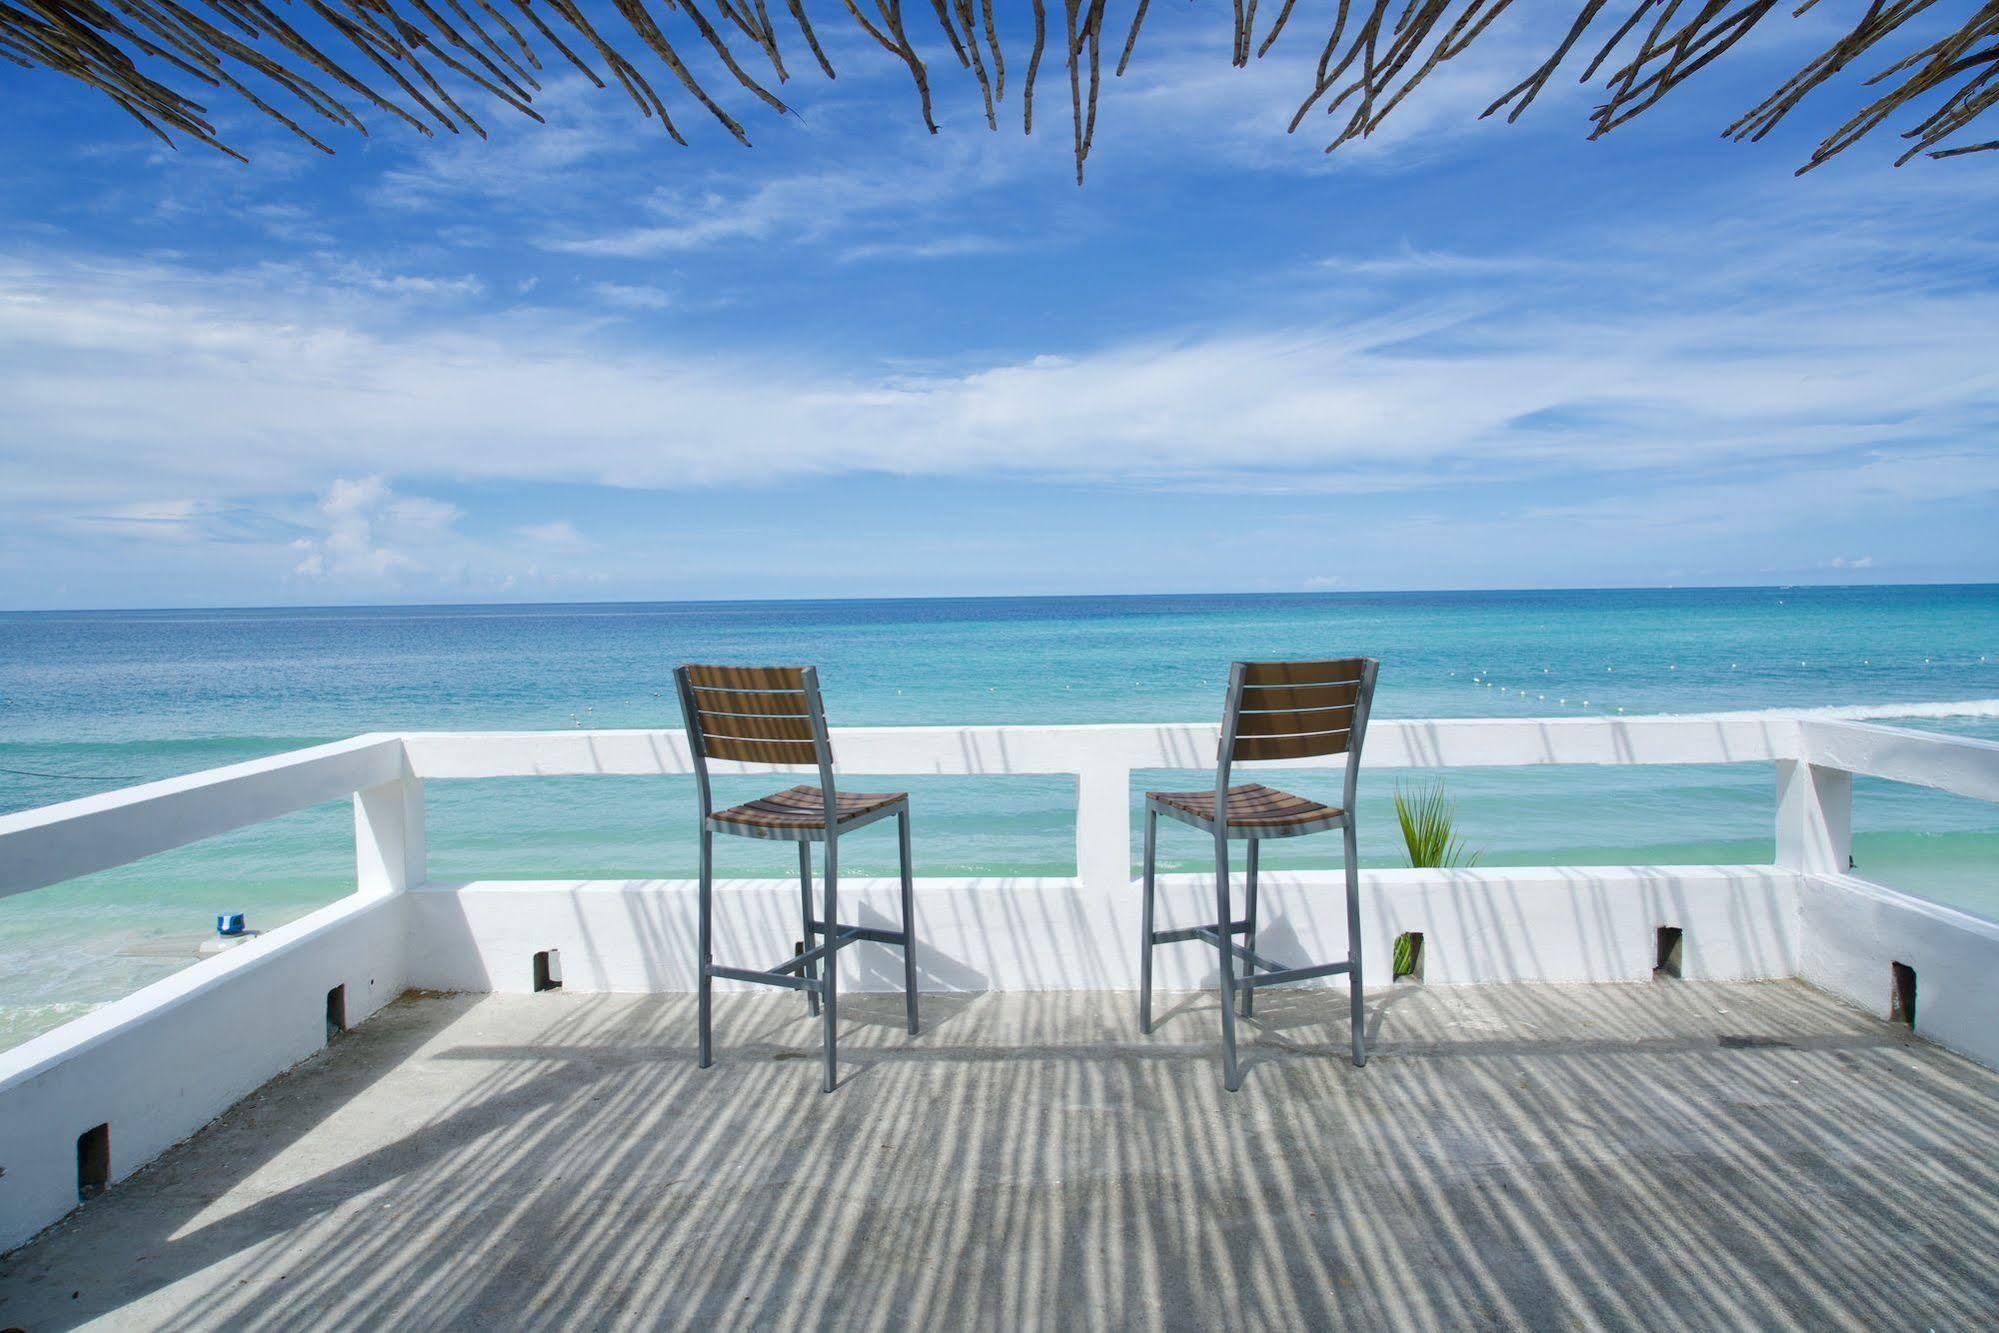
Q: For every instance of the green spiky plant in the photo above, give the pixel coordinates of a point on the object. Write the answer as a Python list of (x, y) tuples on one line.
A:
[(1429, 831)]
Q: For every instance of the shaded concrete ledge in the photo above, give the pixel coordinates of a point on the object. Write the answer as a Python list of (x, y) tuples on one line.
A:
[(1671, 1153)]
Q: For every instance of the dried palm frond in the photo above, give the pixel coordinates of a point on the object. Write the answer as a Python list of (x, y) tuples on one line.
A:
[(158, 59)]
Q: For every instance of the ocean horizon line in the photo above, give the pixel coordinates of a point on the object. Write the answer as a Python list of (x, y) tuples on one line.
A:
[(1327, 594)]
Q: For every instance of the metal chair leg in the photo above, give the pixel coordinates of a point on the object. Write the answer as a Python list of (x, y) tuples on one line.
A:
[(1145, 916), (908, 922), (1353, 947), (811, 970), (705, 985), (1231, 1076), (830, 1015), (1249, 935)]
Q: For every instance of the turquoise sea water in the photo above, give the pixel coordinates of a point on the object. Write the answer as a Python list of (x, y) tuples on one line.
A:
[(95, 700)]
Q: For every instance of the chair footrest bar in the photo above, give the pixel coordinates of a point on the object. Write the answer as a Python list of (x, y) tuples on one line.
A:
[(798, 962), (878, 934), (1208, 936), (1295, 974), (1194, 933), (763, 978)]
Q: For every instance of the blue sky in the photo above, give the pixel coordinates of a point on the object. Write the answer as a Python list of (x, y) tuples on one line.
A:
[(579, 362)]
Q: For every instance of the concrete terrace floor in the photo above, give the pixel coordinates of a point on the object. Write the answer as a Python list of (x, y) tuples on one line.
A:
[(1676, 1153)]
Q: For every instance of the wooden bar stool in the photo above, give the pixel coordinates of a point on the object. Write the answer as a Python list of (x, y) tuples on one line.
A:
[(773, 715), (1275, 710)]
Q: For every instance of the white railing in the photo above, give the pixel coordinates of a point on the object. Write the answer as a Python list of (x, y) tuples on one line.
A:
[(101, 832), (157, 1065), (384, 773), (1102, 758)]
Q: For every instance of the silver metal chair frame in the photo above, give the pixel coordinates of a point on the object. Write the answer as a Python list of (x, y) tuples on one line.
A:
[(803, 970), (1257, 971)]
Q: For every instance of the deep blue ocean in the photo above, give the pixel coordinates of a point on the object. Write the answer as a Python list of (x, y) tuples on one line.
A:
[(95, 700)]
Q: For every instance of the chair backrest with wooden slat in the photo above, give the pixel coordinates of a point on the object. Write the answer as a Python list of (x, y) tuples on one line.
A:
[(755, 715), (1295, 710)]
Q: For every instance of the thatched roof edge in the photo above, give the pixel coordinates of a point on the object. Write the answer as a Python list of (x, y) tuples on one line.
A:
[(428, 63)]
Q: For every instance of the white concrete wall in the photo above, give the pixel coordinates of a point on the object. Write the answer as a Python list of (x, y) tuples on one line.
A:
[(1855, 930), (162, 1062), (1479, 926)]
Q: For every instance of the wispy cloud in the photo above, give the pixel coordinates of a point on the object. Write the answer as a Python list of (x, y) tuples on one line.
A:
[(945, 247), (1436, 389), (1408, 262), (421, 285), (631, 296), (794, 208), (555, 535), (183, 522)]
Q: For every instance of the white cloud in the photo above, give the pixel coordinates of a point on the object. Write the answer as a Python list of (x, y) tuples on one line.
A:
[(372, 534), (408, 284), (800, 206), (291, 223), (631, 296), (521, 164), (692, 224), (947, 247), (181, 522), (1410, 262), (556, 535), (228, 388)]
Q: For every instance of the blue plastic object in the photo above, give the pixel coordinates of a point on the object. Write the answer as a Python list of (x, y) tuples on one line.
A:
[(230, 924)]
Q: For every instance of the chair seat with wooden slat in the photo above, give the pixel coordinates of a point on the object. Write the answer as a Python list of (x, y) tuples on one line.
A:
[(1274, 710), (802, 809), (1253, 811), (773, 715)]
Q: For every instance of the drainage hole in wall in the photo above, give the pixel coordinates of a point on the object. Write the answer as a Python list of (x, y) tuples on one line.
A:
[(548, 970), (336, 1011), (93, 1162), (1902, 1004), (1409, 956), (1672, 949)]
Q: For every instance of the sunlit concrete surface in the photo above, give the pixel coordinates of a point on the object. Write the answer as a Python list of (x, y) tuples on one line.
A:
[(1667, 1154)]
